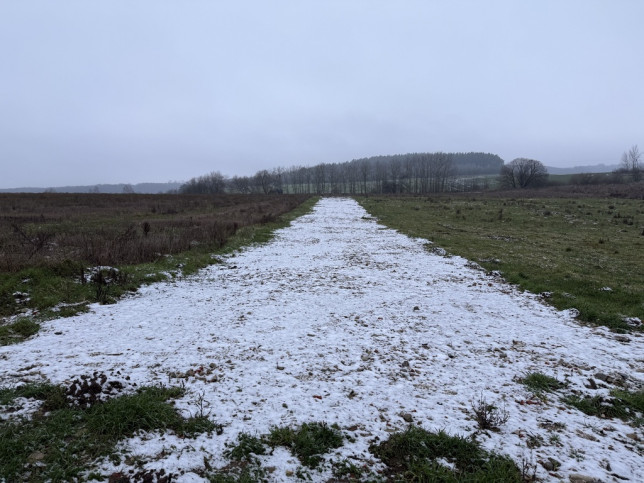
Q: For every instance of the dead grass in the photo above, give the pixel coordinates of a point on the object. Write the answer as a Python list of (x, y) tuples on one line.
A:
[(102, 229)]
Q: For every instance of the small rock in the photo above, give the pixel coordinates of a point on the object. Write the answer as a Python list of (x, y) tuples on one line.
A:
[(633, 436), (587, 436), (577, 478), (279, 368), (622, 338), (118, 477), (592, 383), (407, 417), (547, 465), (405, 364), (416, 307), (604, 377), (35, 457), (550, 464)]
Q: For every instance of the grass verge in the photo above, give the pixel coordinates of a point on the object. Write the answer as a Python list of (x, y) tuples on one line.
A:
[(579, 253), (59, 442)]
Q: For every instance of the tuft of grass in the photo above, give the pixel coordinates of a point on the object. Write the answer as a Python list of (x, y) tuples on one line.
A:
[(346, 470), (559, 254), (18, 331), (245, 474), (247, 446), (53, 397), (539, 383), (146, 410), (632, 400), (308, 442), (414, 455), (58, 445), (625, 405)]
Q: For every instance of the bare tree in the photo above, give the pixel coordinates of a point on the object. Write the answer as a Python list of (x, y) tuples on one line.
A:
[(365, 169), (320, 178), (263, 181), (631, 163), (523, 173), (241, 184), (211, 183)]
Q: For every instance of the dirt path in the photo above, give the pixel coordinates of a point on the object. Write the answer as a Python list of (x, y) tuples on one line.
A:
[(341, 320)]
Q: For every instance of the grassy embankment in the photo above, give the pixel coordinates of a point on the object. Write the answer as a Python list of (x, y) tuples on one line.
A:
[(52, 244), (584, 253)]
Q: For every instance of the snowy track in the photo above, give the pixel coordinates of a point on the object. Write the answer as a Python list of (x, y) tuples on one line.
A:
[(341, 320)]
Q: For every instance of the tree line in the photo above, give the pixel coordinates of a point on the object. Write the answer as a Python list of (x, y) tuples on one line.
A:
[(417, 173)]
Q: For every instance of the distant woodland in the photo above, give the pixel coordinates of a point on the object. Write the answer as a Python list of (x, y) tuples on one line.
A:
[(417, 173)]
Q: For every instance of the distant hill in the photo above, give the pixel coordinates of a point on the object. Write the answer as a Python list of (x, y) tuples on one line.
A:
[(143, 188), (597, 168)]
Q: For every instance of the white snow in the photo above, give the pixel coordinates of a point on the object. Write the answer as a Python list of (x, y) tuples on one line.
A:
[(281, 334)]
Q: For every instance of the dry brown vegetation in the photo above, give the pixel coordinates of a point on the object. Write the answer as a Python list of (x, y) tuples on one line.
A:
[(103, 229)]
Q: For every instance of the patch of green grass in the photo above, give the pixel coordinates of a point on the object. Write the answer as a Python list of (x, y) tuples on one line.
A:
[(308, 442), (244, 474), (625, 405), (632, 400), (59, 445), (571, 248), (247, 446), (597, 406), (18, 331), (52, 396), (539, 383), (347, 470), (413, 455)]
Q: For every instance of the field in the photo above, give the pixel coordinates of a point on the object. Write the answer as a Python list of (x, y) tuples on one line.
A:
[(339, 350), (580, 253), (60, 252)]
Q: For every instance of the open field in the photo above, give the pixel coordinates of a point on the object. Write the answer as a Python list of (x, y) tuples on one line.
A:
[(339, 351), (580, 253), (60, 252)]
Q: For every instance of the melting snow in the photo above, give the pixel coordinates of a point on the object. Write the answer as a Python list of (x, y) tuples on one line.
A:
[(339, 319)]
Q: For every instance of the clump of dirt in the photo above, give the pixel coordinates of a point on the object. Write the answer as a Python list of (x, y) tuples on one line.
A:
[(85, 391)]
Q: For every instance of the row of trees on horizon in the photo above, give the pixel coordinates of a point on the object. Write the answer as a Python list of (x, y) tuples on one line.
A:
[(417, 173), (414, 173)]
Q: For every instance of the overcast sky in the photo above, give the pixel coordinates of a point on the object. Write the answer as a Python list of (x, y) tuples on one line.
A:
[(132, 91)]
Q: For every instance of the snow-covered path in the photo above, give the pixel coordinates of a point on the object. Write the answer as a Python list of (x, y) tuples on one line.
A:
[(339, 319)]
